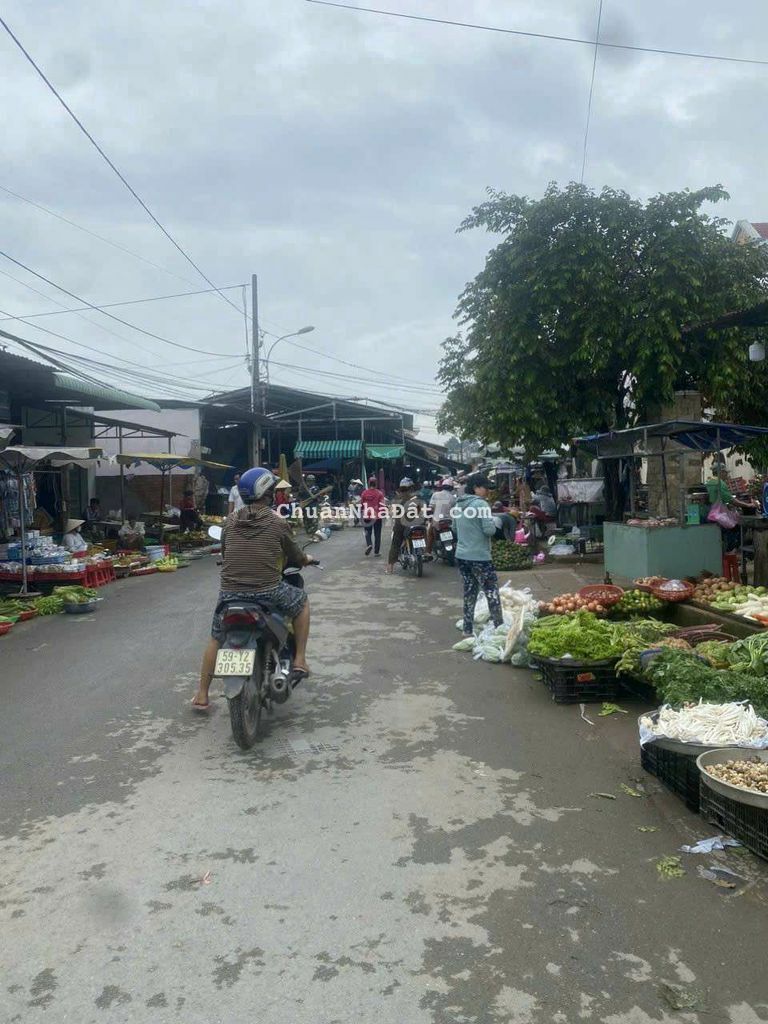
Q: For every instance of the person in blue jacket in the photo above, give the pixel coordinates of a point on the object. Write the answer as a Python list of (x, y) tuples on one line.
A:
[(475, 529)]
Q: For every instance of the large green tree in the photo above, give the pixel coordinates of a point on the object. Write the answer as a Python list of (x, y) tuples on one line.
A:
[(574, 323)]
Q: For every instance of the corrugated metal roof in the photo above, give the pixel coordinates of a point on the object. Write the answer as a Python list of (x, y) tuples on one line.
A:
[(68, 382)]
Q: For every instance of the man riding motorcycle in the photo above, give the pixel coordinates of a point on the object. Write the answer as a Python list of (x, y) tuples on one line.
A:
[(442, 502), (406, 510), (256, 546)]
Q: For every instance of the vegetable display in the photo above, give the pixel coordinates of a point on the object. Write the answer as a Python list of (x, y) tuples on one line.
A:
[(581, 636), (637, 602), (716, 725), (49, 605), (508, 556), (748, 602), (751, 774), (681, 678), (712, 588), (564, 604), (75, 595)]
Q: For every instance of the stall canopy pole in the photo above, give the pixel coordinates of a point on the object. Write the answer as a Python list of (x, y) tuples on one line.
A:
[(22, 531), (664, 476), (122, 475)]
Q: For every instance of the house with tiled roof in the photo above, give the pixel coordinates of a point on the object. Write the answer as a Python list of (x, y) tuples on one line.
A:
[(750, 231)]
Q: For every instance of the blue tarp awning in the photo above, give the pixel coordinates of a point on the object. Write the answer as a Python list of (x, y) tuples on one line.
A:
[(672, 436)]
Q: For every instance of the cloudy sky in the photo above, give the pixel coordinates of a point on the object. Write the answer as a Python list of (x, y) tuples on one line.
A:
[(334, 153)]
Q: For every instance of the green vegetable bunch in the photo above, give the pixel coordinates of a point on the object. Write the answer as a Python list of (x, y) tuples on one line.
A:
[(749, 655), (49, 605), (581, 635), (75, 595), (680, 677)]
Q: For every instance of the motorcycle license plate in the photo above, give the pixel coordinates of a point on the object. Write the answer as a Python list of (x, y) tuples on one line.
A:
[(446, 535), (234, 663), (417, 543)]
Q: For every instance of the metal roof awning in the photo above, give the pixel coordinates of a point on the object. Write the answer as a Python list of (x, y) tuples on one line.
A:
[(164, 462), (68, 382), (328, 449), (385, 451), (676, 435)]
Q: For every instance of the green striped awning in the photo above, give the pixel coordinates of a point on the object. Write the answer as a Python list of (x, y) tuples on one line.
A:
[(328, 450), (385, 451)]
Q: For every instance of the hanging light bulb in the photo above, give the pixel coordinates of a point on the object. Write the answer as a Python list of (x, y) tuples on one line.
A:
[(756, 352)]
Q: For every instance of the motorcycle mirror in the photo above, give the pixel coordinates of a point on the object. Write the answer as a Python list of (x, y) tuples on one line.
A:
[(214, 532)]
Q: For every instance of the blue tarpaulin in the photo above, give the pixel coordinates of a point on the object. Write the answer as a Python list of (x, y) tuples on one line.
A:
[(678, 436)]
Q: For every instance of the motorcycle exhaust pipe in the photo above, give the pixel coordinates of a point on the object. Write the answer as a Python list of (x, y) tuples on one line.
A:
[(280, 686)]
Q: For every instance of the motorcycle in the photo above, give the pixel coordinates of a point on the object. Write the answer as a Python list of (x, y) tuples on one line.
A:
[(255, 660), (413, 549), (445, 541)]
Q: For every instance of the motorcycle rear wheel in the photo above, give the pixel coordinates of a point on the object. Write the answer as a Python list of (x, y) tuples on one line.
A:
[(419, 564), (245, 709)]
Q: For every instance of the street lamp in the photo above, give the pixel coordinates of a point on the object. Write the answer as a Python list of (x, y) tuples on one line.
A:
[(293, 334)]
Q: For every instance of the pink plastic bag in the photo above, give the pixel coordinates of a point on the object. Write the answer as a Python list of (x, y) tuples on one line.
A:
[(725, 517)]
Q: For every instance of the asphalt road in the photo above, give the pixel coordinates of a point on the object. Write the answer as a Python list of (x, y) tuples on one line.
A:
[(415, 840)]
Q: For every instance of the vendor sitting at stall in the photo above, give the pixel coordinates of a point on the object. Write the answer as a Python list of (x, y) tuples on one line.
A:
[(505, 520), (73, 541), (131, 535), (543, 509), (189, 518), (93, 516)]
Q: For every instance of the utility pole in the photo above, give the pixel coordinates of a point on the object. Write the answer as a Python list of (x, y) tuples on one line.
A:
[(255, 367)]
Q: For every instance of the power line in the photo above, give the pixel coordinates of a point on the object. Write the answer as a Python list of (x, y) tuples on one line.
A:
[(356, 366), (112, 305), (357, 380), (94, 234), (125, 323), (539, 35), (109, 162), (591, 91)]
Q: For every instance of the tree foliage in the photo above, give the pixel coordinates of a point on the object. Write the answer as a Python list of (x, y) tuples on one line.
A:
[(575, 322)]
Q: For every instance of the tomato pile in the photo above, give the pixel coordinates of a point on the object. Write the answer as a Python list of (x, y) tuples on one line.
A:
[(565, 603)]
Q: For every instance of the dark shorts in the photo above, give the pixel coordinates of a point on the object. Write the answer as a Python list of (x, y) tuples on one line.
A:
[(284, 599)]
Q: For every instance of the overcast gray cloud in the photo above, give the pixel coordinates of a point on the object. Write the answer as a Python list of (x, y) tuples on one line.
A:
[(334, 153)]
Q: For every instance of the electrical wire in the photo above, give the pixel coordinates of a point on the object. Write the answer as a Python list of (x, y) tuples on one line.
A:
[(540, 35), (113, 305), (356, 380), (110, 163), (356, 366), (125, 323), (94, 234), (591, 92)]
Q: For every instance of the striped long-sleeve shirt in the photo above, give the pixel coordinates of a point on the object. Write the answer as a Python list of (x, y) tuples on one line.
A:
[(257, 545)]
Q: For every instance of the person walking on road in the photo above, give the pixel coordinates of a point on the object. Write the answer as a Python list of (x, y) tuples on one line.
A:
[(372, 505), (474, 530)]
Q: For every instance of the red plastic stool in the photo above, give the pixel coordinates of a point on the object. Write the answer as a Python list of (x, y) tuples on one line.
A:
[(731, 566)]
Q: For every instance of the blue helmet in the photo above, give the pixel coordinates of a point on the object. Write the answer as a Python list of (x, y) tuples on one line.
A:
[(256, 483)]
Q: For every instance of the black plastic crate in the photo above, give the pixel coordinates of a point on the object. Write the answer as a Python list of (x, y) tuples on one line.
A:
[(678, 772), (579, 682), (747, 824)]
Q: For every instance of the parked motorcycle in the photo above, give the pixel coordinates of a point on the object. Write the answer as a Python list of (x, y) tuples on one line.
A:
[(445, 541), (413, 549), (255, 660)]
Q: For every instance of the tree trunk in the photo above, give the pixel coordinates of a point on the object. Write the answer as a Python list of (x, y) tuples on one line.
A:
[(615, 498)]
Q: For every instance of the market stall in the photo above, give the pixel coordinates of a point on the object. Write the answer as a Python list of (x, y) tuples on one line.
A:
[(21, 461), (676, 542)]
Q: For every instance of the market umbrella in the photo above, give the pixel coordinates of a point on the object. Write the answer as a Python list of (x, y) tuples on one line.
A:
[(165, 463), (22, 459)]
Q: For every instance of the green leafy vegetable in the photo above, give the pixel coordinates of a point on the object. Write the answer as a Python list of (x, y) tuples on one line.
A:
[(581, 635), (670, 867), (49, 605), (681, 677)]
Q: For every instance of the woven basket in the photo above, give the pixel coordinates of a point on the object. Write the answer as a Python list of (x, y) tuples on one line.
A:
[(674, 596), (604, 593)]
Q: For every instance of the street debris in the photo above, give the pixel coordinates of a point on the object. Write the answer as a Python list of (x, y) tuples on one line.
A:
[(679, 998), (584, 714), (708, 845), (611, 709), (670, 867), (605, 796), (722, 877), (647, 828), (628, 790), (206, 879)]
